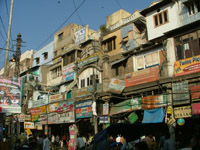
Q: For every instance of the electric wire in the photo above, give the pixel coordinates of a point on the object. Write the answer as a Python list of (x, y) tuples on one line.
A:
[(3, 26), (118, 4), (61, 24), (77, 13), (7, 9)]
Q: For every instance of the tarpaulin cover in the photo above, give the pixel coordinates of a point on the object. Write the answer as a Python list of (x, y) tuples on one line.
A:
[(153, 115)]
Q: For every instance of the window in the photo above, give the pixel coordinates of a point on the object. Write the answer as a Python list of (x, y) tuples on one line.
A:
[(45, 54), (55, 53), (147, 61), (82, 83), (187, 45), (118, 69), (192, 6), (110, 44), (161, 18), (60, 36), (56, 72), (37, 60), (69, 58)]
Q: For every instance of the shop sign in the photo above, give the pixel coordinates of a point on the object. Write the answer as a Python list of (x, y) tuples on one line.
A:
[(56, 118), (39, 126), (180, 121), (88, 60), (104, 119), (142, 76), (68, 73), (29, 125), (182, 112), (195, 92), (65, 106), (10, 92), (35, 112), (105, 109), (88, 90), (55, 98), (126, 106), (133, 117), (187, 66), (83, 109), (151, 102), (196, 109), (180, 93), (116, 86), (21, 117), (53, 107)]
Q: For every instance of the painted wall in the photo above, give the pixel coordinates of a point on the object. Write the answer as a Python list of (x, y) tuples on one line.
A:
[(173, 17), (39, 54)]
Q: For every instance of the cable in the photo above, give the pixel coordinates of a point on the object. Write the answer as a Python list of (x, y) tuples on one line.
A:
[(3, 26), (118, 4), (2, 36), (61, 25), (7, 8), (78, 13)]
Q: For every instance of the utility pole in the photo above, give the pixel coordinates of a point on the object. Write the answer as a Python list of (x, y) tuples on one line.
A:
[(8, 40), (17, 56)]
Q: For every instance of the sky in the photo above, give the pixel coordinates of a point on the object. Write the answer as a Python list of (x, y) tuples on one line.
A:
[(38, 20)]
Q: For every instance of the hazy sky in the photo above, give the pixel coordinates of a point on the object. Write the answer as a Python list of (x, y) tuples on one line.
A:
[(38, 20)]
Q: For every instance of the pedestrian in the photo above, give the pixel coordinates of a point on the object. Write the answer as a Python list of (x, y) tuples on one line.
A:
[(39, 143), (80, 144), (46, 143), (194, 142), (169, 144), (64, 139), (53, 140), (57, 140)]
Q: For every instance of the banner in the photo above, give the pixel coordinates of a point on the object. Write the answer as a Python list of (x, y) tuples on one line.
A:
[(65, 106), (195, 92), (68, 73), (53, 107), (55, 98), (29, 125), (154, 115), (126, 106), (35, 112), (182, 112), (151, 102), (142, 76), (187, 66), (10, 91)]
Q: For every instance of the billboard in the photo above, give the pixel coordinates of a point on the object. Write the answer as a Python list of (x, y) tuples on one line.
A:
[(10, 91), (187, 66)]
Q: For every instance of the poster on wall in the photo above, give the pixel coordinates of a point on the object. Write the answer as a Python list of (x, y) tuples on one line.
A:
[(10, 91), (182, 112), (195, 92), (116, 86), (73, 136)]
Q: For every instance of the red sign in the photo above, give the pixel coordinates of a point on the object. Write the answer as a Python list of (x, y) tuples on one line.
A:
[(0, 109), (142, 76), (196, 108), (195, 92)]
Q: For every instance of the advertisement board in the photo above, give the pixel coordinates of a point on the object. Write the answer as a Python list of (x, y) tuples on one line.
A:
[(142, 76), (195, 92), (182, 112), (116, 86), (68, 73), (151, 102), (187, 66), (10, 91), (196, 109)]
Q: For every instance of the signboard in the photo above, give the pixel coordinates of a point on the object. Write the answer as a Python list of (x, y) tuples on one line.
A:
[(142, 76), (21, 117), (105, 109), (195, 92), (83, 109), (80, 35), (29, 125), (55, 98), (37, 103), (72, 134), (196, 109), (180, 93), (88, 60), (182, 112), (126, 106), (68, 73), (65, 106), (56, 118), (151, 102), (116, 86), (187, 66), (10, 95), (35, 112), (53, 107), (104, 119)]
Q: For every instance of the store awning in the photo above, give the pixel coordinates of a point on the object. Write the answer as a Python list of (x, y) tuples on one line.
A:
[(118, 61)]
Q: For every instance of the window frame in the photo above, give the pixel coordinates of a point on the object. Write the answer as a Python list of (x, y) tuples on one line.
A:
[(161, 18)]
